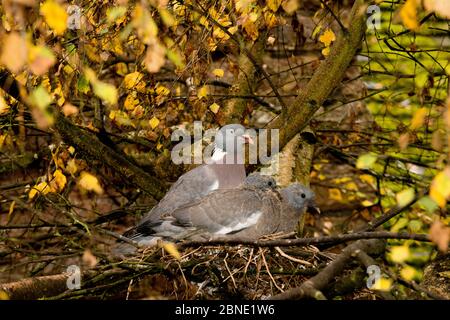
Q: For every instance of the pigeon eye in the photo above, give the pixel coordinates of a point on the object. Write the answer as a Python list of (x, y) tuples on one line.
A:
[(270, 183), (303, 195)]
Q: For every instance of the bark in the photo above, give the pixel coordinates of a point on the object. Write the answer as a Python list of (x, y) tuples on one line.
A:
[(90, 145)]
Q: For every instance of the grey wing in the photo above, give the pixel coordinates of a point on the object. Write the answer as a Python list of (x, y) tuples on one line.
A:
[(222, 211), (191, 186)]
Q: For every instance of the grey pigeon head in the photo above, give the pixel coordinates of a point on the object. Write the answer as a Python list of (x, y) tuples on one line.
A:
[(231, 136), (260, 181), (299, 197)]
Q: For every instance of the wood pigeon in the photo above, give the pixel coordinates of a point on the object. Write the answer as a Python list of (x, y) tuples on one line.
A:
[(254, 209), (226, 171)]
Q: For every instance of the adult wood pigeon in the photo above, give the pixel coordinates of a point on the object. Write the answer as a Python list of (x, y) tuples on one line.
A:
[(248, 212), (226, 171)]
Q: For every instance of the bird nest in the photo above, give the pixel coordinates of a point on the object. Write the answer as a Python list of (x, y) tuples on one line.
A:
[(221, 272)]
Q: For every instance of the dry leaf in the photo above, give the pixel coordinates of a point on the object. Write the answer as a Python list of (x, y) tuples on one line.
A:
[(69, 109), (14, 53), (155, 57), (89, 259), (440, 235), (40, 59)]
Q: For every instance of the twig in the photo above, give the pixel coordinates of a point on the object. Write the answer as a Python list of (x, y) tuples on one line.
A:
[(343, 28), (312, 287), (284, 254), (310, 241), (268, 270)]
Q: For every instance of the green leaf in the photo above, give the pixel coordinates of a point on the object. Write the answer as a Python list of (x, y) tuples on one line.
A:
[(40, 98), (83, 85), (428, 204), (404, 197), (400, 224), (415, 225), (366, 161)]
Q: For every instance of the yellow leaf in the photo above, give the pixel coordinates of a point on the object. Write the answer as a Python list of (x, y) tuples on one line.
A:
[(154, 122), (367, 178), (382, 284), (4, 108), (59, 179), (270, 19), (290, 6), (408, 273), (327, 37), (335, 194), (162, 90), (41, 188), (134, 81), (71, 167), (440, 187), (218, 73), (146, 27), (171, 249), (116, 14), (131, 102), (233, 29), (2, 139), (121, 118), (105, 91), (112, 114), (273, 4), (203, 92), (408, 13), (438, 198), (404, 197), (55, 16), (14, 52), (418, 119), (214, 107), (367, 203), (399, 254), (166, 17), (4, 295), (11, 209), (89, 182), (326, 51), (351, 186), (243, 5)]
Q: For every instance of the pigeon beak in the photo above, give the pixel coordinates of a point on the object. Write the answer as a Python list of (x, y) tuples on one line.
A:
[(247, 139), (314, 209)]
